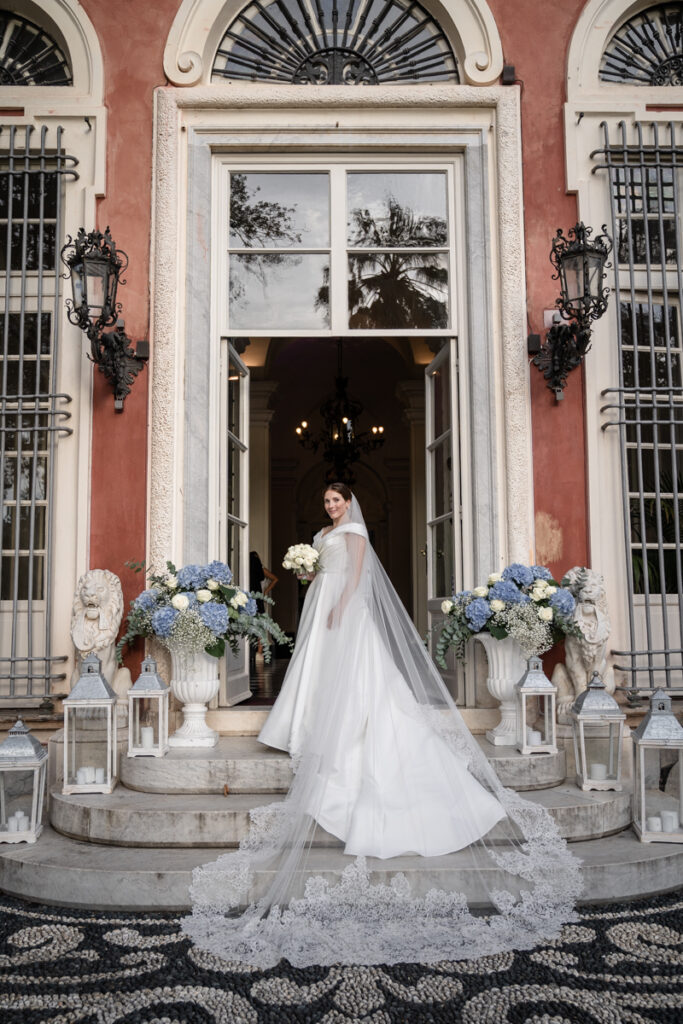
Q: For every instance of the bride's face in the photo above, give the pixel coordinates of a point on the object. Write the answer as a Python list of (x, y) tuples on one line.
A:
[(335, 505)]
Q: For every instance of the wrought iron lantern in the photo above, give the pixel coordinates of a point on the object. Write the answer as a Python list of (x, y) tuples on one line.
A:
[(658, 753), (23, 771), (340, 440), (90, 736), (148, 701), (535, 691), (598, 728), (95, 267), (580, 263)]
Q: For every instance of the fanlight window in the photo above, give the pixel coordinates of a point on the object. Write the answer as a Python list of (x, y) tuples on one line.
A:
[(647, 49), (28, 56), (335, 42)]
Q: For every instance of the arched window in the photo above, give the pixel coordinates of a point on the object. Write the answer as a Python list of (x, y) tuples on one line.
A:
[(647, 49), (28, 55), (342, 42)]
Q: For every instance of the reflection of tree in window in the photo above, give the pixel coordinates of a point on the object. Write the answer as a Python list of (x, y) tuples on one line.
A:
[(395, 289), (256, 224)]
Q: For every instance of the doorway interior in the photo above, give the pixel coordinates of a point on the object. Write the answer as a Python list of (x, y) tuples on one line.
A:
[(290, 378)]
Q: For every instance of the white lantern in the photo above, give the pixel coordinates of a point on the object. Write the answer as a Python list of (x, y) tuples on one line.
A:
[(23, 770), (658, 815), (534, 690), (148, 702), (598, 726), (90, 750)]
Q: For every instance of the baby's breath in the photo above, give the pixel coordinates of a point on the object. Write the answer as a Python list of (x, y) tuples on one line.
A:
[(189, 634)]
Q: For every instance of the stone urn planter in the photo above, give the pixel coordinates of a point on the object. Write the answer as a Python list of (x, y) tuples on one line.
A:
[(507, 665), (194, 683)]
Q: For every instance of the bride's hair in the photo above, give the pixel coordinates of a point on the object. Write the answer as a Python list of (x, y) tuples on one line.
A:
[(342, 489)]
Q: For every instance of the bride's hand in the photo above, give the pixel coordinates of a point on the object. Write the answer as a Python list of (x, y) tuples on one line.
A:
[(310, 576), (332, 620)]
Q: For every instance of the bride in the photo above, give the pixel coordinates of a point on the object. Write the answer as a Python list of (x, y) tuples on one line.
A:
[(385, 767)]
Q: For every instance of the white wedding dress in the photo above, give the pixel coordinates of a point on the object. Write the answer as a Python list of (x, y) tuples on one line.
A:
[(385, 767)]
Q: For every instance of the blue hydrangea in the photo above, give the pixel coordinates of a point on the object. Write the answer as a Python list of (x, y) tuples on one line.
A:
[(191, 596), (505, 590), (215, 617), (563, 603), (478, 612), (163, 621), (520, 574), (541, 573), (250, 608), (147, 600), (192, 577), (218, 571)]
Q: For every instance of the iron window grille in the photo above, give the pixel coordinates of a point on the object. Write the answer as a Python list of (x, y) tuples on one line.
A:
[(33, 414), (347, 42), (647, 404)]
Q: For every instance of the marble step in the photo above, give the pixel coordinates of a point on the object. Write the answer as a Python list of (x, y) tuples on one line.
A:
[(246, 766), (129, 818), (65, 872)]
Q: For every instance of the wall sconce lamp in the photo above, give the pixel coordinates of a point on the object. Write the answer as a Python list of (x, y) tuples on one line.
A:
[(95, 267), (580, 262)]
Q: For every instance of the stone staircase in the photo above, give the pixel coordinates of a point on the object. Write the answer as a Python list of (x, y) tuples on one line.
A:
[(135, 849)]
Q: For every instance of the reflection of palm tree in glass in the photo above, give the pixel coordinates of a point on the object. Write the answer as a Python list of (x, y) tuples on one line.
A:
[(396, 289), (256, 224)]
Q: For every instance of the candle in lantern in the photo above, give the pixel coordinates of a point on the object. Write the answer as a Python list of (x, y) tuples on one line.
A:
[(81, 777), (669, 821), (654, 824), (99, 776), (535, 738), (598, 772), (147, 736), (13, 823), (89, 773)]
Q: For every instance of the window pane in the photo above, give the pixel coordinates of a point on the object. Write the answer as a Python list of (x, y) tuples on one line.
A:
[(26, 539), (27, 565), (441, 399), (234, 470), (638, 250), (234, 535), (442, 558), (279, 291), (234, 399), (279, 211), (442, 478), (397, 210), (398, 290)]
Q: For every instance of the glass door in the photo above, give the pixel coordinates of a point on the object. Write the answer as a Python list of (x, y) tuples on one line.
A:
[(235, 502), (444, 511)]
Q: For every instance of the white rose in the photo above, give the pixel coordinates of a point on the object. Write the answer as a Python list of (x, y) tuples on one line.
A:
[(212, 584), (299, 560), (494, 578), (497, 606), (551, 590), (180, 602), (480, 591), (203, 596), (240, 598), (446, 607), (172, 582), (545, 614), (537, 595)]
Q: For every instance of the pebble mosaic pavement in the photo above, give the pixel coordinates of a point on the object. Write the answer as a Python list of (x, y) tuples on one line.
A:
[(616, 965)]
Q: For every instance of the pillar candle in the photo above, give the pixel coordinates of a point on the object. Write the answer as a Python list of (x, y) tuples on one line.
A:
[(81, 777), (147, 736), (598, 772), (669, 821), (99, 776), (535, 738), (13, 823), (654, 824), (89, 773)]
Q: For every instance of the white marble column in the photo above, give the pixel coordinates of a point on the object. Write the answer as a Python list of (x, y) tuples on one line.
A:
[(412, 394)]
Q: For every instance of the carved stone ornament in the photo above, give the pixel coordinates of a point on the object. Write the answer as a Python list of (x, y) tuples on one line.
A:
[(95, 619), (587, 654)]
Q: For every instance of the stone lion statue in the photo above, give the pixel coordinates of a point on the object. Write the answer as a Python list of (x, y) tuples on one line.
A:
[(588, 653), (95, 619)]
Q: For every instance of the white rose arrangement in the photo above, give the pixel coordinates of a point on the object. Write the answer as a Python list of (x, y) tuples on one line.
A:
[(302, 559)]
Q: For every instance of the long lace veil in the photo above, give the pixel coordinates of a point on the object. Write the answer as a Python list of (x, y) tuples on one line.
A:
[(289, 891)]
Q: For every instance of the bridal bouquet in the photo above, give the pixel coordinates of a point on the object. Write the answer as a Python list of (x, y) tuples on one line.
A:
[(523, 602), (302, 559), (199, 608)]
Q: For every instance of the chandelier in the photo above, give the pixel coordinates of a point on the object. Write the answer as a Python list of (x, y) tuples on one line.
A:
[(341, 443)]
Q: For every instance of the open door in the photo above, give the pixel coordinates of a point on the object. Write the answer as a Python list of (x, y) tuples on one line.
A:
[(444, 505), (235, 502)]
